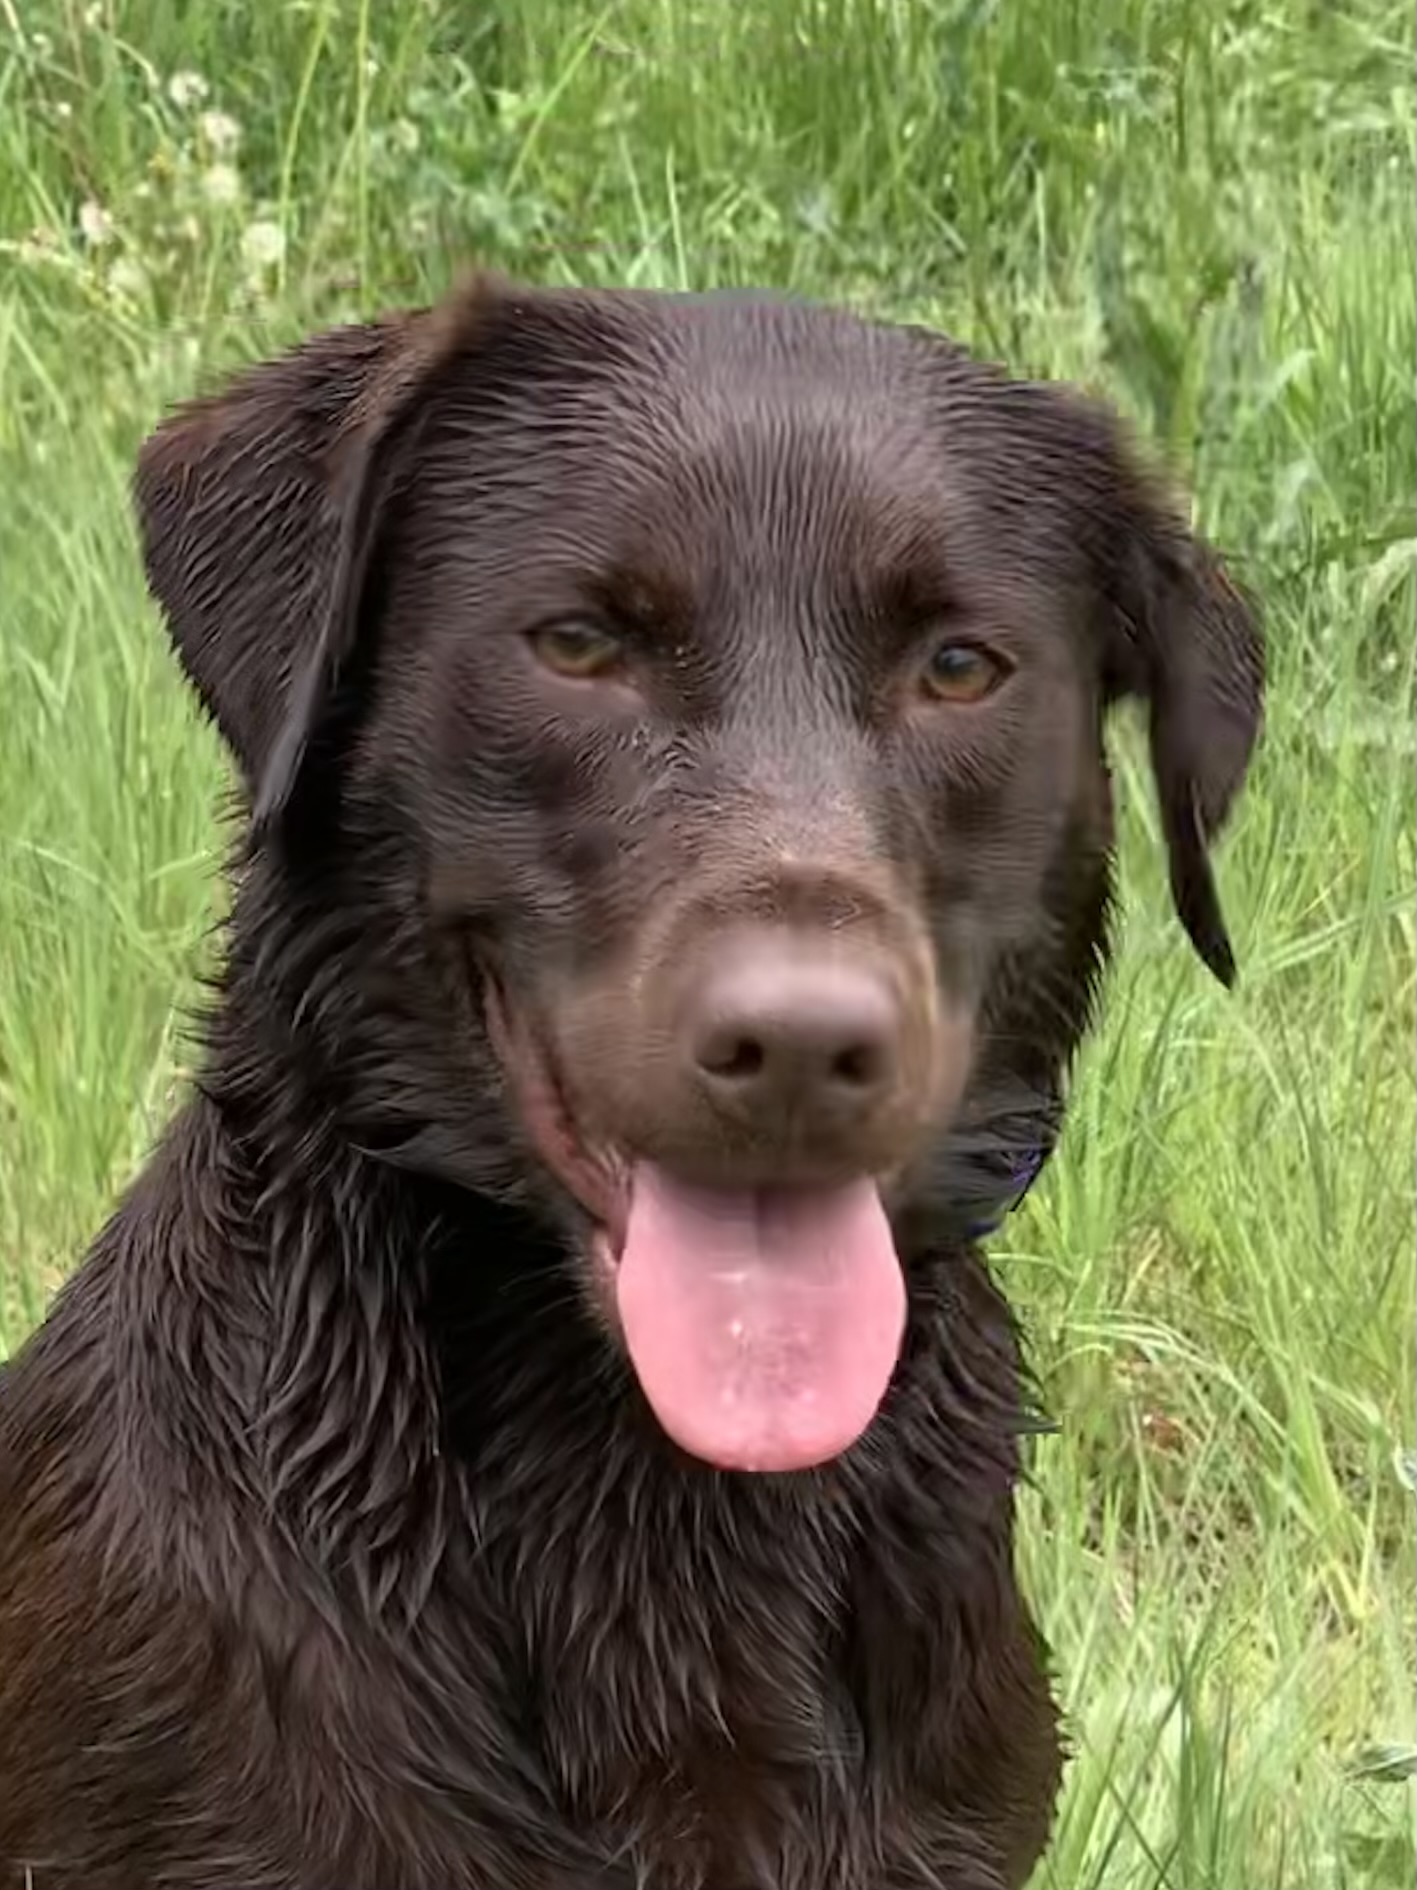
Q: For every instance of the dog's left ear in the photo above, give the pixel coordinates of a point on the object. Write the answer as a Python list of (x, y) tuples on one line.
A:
[(1183, 637), (1177, 633)]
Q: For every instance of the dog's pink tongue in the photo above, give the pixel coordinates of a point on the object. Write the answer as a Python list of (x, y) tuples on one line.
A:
[(763, 1326)]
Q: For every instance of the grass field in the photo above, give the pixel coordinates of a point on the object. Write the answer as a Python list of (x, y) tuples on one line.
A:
[(1206, 210)]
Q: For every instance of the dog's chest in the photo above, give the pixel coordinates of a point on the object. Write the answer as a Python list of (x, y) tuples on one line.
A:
[(683, 1668), (713, 1745), (732, 1683)]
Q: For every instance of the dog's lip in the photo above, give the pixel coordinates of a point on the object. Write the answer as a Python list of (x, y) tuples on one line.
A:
[(596, 1178)]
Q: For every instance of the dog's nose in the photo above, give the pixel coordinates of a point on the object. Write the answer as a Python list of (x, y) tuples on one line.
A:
[(787, 1034)]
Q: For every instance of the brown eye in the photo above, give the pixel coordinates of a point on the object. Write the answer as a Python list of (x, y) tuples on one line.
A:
[(963, 672), (577, 650)]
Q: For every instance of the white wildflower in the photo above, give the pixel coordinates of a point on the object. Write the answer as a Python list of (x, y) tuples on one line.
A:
[(186, 89), (95, 224), (220, 133), (221, 184), (262, 246)]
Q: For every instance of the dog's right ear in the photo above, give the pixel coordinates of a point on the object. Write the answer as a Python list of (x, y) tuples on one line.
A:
[(259, 510)]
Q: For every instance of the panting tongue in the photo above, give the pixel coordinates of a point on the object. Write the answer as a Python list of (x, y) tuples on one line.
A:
[(763, 1326)]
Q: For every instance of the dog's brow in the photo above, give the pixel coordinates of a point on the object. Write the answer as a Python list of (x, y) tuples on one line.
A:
[(645, 596), (903, 571), (911, 592)]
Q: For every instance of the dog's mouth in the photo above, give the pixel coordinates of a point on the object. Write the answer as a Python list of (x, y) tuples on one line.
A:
[(763, 1324)]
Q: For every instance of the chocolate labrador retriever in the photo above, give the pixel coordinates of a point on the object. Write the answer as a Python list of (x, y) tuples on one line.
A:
[(541, 1419)]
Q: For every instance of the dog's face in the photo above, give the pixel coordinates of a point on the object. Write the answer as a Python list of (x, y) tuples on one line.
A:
[(700, 704)]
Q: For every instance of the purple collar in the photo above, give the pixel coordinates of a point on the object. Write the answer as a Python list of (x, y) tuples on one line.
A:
[(1023, 1172)]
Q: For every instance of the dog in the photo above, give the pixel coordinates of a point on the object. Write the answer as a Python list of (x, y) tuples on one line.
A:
[(542, 1419)]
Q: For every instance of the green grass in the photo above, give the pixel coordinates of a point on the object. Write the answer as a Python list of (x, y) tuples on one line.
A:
[(1204, 209)]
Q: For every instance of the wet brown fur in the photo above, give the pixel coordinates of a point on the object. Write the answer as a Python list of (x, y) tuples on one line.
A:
[(337, 1548)]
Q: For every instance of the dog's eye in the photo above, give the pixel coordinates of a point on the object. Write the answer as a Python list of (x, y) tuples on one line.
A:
[(963, 672), (578, 650)]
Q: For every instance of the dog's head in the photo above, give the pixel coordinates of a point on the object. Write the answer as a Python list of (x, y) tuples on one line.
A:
[(674, 726)]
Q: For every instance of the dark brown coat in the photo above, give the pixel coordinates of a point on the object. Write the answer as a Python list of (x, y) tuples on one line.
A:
[(338, 1548)]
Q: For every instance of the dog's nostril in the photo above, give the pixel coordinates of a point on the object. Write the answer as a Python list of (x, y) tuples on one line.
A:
[(735, 1058), (859, 1066)]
